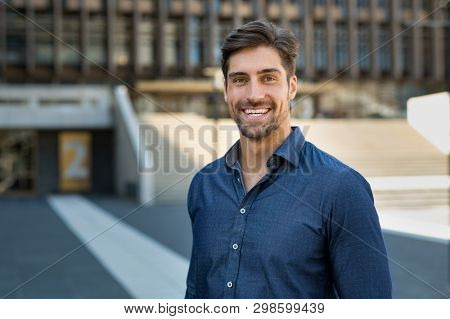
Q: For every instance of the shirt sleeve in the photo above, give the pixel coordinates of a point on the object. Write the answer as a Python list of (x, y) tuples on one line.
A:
[(190, 282), (357, 252)]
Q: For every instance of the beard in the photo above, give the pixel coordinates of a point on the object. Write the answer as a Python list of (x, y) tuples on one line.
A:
[(258, 131)]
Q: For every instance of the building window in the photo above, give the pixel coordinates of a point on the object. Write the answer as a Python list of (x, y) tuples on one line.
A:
[(343, 6), (384, 6), (122, 41), (195, 45), (406, 52), (97, 40), (427, 51), (406, 4), (15, 39), (172, 44), (362, 3), (43, 40), (145, 42), (384, 51), (297, 28), (71, 36), (320, 48), (341, 47), (319, 3), (223, 29), (363, 48)]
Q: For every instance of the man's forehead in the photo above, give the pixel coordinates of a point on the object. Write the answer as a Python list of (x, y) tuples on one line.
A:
[(255, 60)]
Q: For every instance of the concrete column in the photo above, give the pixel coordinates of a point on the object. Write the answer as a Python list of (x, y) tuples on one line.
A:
[(185, 41), (353, 38), (438, 43), (57, 30), (417, 43), (2, 39), (373, 41), (84, 29), (237, 17), (110, 34), (160, 63), (30, 38), (331, 38), (135, 39), (308, 39), (210, 34), (396, 40)]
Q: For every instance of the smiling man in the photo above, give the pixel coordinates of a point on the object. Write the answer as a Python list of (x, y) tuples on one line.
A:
[(276, 217)]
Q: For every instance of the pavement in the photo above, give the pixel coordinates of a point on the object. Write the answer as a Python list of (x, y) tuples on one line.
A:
[(143, 252)]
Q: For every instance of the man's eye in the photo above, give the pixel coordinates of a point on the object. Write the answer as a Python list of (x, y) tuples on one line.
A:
[(239, 80), (269, 78)]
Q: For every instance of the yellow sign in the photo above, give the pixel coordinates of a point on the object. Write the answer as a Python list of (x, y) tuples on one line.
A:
[(74, 161)]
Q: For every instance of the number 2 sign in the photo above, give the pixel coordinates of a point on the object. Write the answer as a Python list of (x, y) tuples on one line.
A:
[(74, 161)]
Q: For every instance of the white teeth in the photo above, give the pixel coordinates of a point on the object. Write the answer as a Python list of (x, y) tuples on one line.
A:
[(256, 111)]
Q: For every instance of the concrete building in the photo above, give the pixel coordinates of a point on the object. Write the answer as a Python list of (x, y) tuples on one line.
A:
[(387, 49)]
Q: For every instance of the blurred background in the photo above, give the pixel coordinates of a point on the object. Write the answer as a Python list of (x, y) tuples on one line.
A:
[(109, 107)]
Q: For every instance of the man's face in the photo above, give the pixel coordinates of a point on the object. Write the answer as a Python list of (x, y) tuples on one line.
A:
[(257, 91)]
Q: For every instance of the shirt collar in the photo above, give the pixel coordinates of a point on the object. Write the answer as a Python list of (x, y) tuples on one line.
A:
[(290, 149)]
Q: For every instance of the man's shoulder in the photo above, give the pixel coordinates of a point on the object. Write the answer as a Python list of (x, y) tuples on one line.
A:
[(210, 170), (322, 163)]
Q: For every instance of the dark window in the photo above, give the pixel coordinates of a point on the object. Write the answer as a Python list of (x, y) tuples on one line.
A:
[(71, 37), (195, 45), (384, 51), (341, 47), (406, 52), (146, 41), (122, 41), (363, 48), (43, 40), (96, 40), (362, 3), (297, 28), (427, 51), (320, 49), (15, 38)]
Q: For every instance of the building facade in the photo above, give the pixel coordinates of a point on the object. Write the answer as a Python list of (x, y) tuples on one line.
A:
[(140, 41)]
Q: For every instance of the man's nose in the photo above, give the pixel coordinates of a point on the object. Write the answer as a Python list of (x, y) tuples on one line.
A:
[(256, 92)]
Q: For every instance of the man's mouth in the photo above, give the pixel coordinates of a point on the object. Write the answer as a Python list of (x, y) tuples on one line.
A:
[(256, 113)]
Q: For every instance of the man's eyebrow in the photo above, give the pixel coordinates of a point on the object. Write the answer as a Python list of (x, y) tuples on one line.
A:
[(270, 70), (233, 74)]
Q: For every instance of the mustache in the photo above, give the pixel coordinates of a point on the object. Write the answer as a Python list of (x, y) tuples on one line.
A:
[(246, 103)]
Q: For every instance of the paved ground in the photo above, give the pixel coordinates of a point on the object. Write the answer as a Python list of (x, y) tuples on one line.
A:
[(32, 237)]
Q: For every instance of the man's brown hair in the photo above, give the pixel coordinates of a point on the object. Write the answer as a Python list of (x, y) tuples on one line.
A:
[(261, 33)]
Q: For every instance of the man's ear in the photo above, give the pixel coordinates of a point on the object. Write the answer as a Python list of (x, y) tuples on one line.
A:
[(292, 87)]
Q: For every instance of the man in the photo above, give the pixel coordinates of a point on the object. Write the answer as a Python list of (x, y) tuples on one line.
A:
[(276, 217)]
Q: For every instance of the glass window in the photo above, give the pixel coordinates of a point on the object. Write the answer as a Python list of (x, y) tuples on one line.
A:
[(15, 38), (384, 51), (122, 41), (43, 40), (384, 6), (172, 44), (224, 27), (97, 40), (427, 51), (195, 45), (406, 51), (363, 48), (362, 3), (71, 36), (406, 4), (320, 49), (146, 42), (299, 34), (341, 47), (319, 2), (343, 6)]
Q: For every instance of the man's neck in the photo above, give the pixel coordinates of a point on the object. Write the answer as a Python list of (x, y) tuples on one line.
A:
[(255, 153)]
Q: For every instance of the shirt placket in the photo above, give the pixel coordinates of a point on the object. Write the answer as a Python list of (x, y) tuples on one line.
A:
[(237, 233)]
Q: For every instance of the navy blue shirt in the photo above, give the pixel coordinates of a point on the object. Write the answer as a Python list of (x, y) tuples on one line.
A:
[(307, 229)]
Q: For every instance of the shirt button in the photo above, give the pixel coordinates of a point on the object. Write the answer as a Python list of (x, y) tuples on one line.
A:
[(235, 246), (242, 210), (229, 284), (238, 179)]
